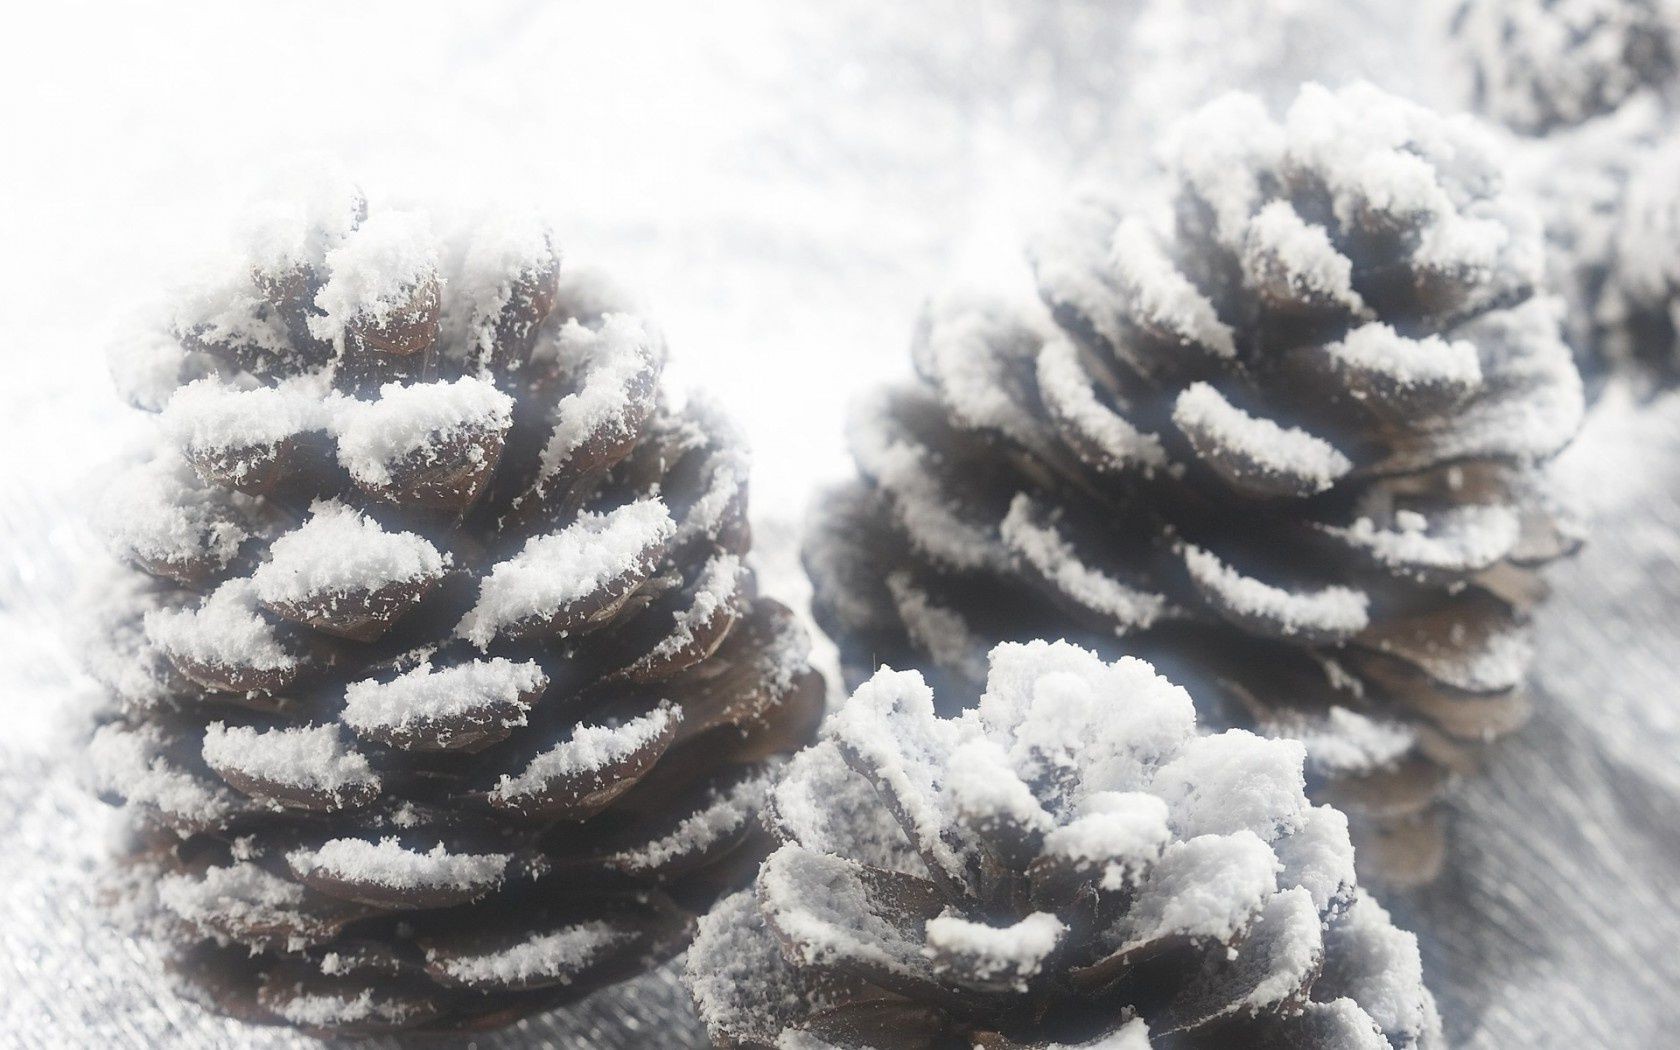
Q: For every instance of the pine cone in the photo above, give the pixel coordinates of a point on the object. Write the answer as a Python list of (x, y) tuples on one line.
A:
[(1286, 449), (1538, 65), (449, 696), (1638, 311), (1069, 864)]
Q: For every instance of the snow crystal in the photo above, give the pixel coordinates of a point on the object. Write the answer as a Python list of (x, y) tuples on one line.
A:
[(209, 415), (1162, 297), (890, 724), (937, 630), (553, 571), (554, 957), (1055, 706), (301, 218), (1204, 416), (824, 913), (1017, 951), (1289, 934), (902, 470), (1053, 557), (1465, 538), (243, 895), (225, 630), (130, 762), (718, 585), (374, 436), (611, 359), (1278, 239), (589, 750), (503, 247), (1318, 856), (721, 816), (424, 695), (314, 758), (339, 550), (1210, 886), (980, 785), (1375, 349), (1348, 741), (1335, 610), (1066, 390), (373, 271), (1379, 967), (1234, 780), (824, 805), (388, 863), (162, 512), (1119, 832)]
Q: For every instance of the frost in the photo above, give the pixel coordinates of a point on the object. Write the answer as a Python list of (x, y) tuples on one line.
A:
[(374, 436), (314, 758), (225, 630), (1212, 422), (555, 957), (388, 863), (373, 271), (591, 749), (1333, 610), (425, 694)]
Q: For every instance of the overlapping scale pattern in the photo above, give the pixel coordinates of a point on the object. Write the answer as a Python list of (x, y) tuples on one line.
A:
[(1285, 439), (443, 693)]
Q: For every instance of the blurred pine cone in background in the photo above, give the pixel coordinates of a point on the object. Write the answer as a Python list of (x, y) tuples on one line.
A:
[(1067, 865), (1542, 65), (445, 694), (1284, 442)]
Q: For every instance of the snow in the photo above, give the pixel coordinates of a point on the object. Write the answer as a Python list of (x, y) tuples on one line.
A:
[(208, 415), (374, 436), (1159, 295), (723, 814), (388, 863), (938, 630), (1215, 426), (374, 270), (1301, 255), (1348, 741), (427, 695), (1378, 966), (129, 762), (982, 787), (1052, 556), (823, 805), (824, 913), (225, 630), (1465, 538), (1234, 780), (310, 205), (555, 957), (147, 364), (339, 550), (314, 758), (553, 571), (1288, 932), (589, 750), (1067, 393), (717, 587), (327, 1009), (611, 359), (1332, 610), (244, 891), (1377, 350), (1207, 887), (162, 512), (1017, 951), (501, 248), (972, 352), (1119, 832), (1318, 857)]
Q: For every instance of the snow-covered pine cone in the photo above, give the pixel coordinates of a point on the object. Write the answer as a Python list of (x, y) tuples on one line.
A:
[(1068, 864), (1540, 65), (447, 694), (1637, 320), (1285, 445)]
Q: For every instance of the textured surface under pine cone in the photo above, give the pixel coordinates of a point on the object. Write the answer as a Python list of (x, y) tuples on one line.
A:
[(1285, 443), (1069, 863), (444, 693), (1540, 65)]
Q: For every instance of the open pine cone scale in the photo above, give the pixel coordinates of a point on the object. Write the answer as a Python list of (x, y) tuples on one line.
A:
[(450, 695), (1284, 443)]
